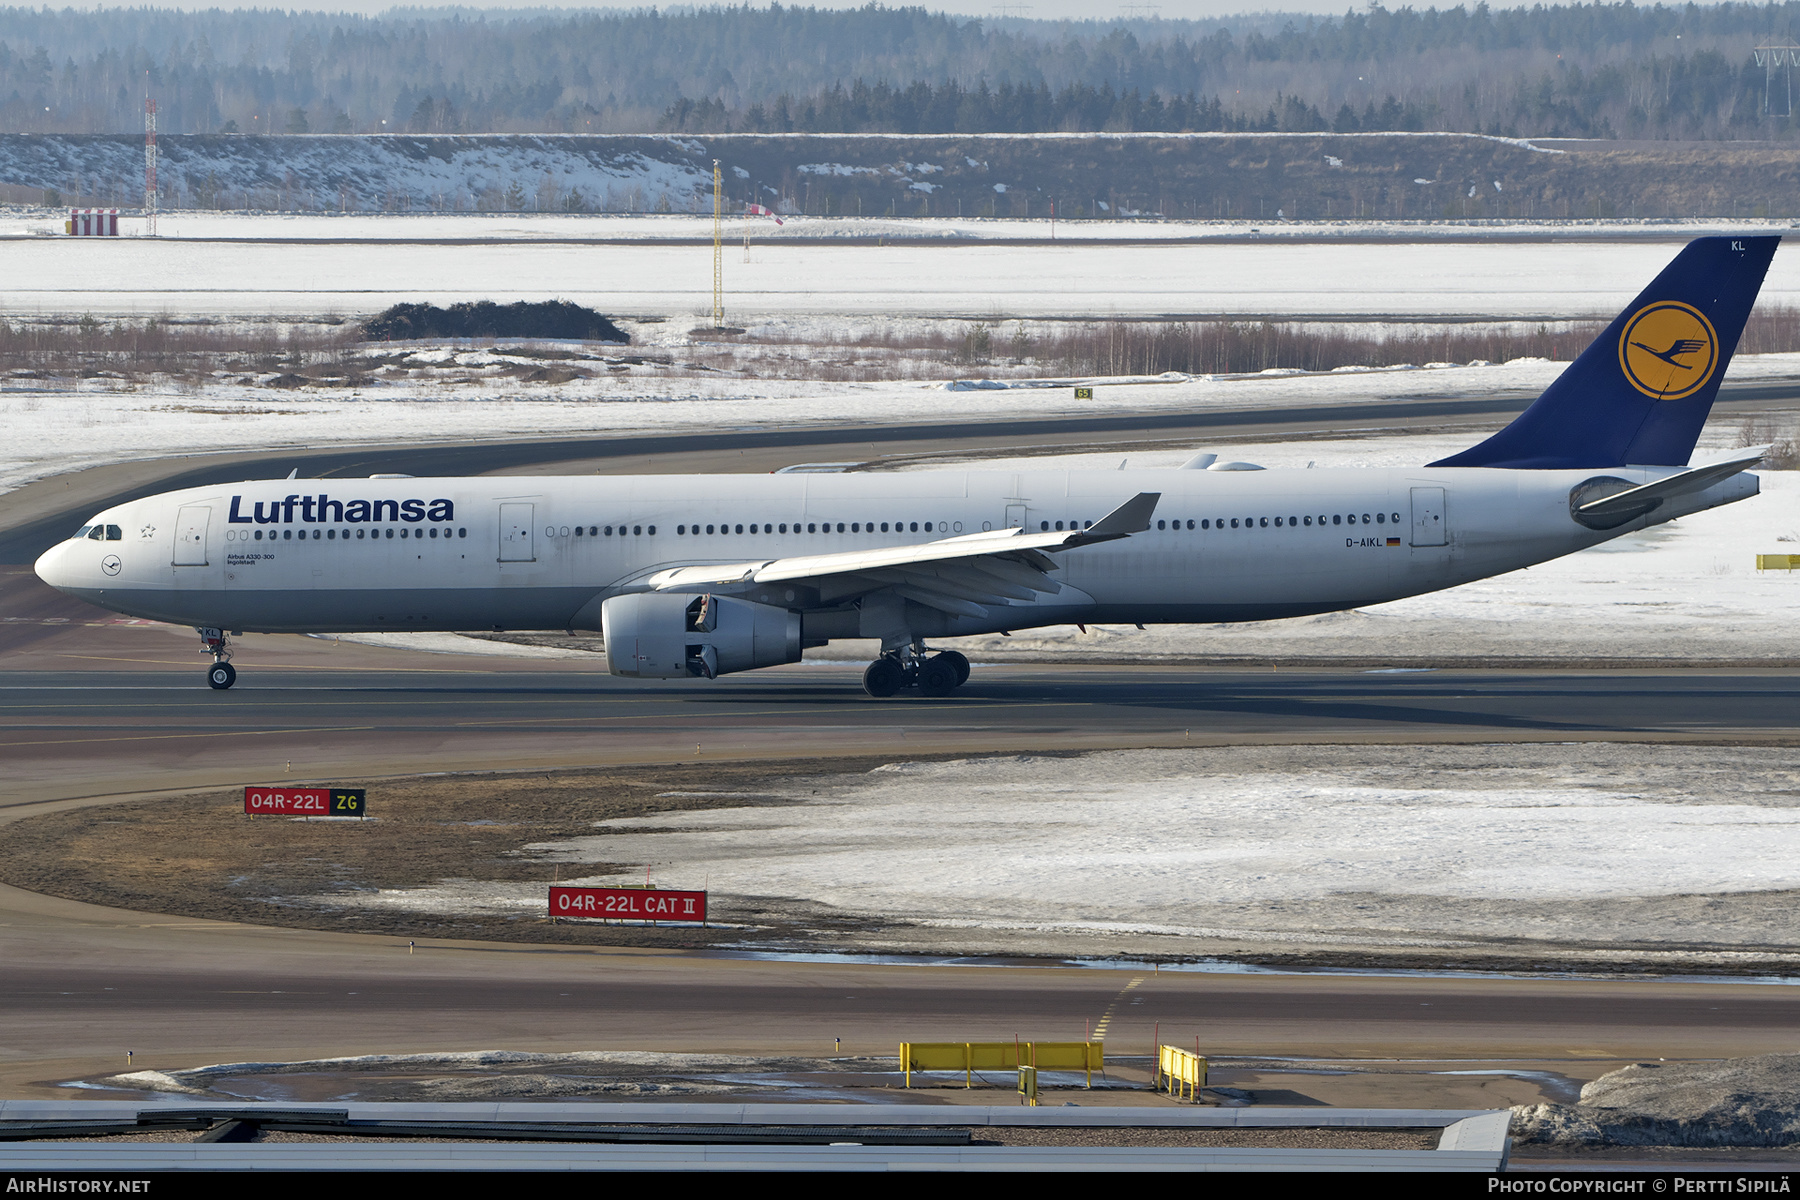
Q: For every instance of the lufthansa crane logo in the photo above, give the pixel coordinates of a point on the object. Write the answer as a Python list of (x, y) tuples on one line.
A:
[(1668, 350)]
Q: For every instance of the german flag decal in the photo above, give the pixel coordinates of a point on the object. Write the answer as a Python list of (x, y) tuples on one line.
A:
[(1393, 541)]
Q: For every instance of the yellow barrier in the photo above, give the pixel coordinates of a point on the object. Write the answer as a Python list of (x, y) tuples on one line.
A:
[(1182, 1071), (970, 1057), (1778, 562)]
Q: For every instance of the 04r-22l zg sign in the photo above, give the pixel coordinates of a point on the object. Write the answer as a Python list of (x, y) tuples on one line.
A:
[(305, 802), (627, 904)]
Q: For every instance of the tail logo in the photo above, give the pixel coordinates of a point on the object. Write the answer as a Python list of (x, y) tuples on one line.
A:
[(1668, 350)]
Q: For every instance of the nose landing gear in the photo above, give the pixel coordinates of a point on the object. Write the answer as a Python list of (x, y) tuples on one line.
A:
[(221, 674), (914, 666)]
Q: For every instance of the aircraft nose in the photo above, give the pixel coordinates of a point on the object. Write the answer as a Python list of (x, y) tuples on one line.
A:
[(52, 566)]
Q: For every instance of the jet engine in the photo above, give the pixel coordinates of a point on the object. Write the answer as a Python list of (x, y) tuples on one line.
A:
[(661, 635)]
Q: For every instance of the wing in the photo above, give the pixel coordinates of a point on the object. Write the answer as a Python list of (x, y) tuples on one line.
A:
[(956, 575)]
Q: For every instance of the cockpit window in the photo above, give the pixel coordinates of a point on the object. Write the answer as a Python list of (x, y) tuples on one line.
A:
[(114, 534), (97, 533), (83, 531)]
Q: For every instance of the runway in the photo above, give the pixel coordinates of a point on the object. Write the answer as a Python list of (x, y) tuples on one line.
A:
[(109, 708)]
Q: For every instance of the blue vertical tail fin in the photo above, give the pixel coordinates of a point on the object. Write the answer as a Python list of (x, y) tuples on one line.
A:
[(1640, 393)]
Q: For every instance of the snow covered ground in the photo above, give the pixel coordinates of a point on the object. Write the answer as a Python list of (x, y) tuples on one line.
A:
[(1677, 854), (784, 274), (56, 426)]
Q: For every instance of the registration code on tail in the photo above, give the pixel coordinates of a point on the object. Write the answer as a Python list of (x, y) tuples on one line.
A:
[(627, 904)]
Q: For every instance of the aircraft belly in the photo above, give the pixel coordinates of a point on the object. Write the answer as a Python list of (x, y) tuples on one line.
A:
[(340, 610)]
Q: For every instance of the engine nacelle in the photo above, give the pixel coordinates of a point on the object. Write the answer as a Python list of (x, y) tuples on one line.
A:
[(661, 635)]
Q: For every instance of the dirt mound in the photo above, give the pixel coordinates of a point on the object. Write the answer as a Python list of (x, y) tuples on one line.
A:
[(1734, 1102), (556, 319)]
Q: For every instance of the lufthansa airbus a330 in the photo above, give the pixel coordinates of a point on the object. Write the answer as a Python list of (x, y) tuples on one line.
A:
[(706, 575)]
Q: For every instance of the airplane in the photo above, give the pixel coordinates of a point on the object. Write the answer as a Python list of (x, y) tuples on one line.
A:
[(698, 576)]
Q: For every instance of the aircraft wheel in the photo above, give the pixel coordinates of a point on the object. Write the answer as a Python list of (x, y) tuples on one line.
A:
[(960, 662), (884, 677), (221, 676), (938, 677)]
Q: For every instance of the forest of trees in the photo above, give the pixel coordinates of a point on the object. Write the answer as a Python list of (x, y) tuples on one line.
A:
[(1595, 70)]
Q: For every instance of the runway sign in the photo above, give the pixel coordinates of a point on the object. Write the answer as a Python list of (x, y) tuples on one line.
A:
[(627, 904), (1084, 393), (305, 802)]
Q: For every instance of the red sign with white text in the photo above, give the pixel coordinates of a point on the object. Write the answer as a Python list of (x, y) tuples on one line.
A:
[(306, 802), (627, 904)]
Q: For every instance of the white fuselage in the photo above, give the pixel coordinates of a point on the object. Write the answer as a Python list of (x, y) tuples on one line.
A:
[(510, 552)]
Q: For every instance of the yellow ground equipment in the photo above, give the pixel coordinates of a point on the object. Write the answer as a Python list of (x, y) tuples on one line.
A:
[(970, 1057), (1182, 1072)]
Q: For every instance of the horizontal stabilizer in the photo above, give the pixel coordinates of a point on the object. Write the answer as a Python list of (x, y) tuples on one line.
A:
[(1696, 479)]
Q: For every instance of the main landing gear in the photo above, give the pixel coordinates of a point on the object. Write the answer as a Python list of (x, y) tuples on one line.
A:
[(914, 666), (221, 674)]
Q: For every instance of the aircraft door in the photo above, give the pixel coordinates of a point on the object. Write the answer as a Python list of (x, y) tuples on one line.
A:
[(1015, 516), (1428, 525), (516, 543), (190, 535)]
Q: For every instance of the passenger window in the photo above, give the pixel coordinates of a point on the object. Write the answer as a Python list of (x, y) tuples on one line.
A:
[(650, 529), (1234, 522), (1309, 520), (1394, 517), (1265, 522), (1159, 524), (637, 531), (1278, 522), (1207, 524), (812, 527), (928, 527), (1381, 518), (1365, 518), (1337, 520)]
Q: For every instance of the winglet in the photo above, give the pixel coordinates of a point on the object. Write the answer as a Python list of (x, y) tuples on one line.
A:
[(1133, 516)]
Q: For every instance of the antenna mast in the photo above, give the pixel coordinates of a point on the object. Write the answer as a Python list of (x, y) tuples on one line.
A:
[(149, 161), (718, 244)]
